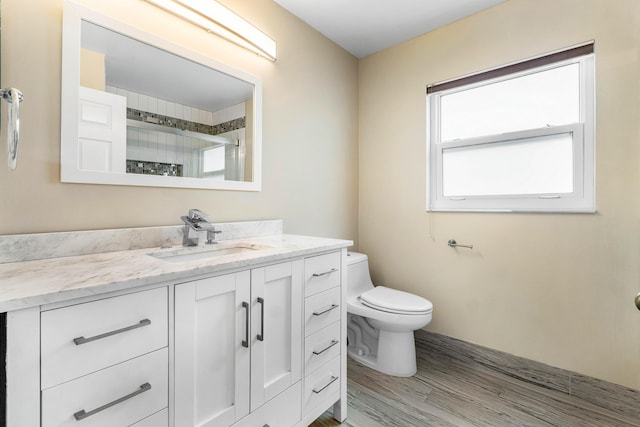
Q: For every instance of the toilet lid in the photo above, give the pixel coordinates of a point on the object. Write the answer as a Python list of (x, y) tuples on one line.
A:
[(394, 301)]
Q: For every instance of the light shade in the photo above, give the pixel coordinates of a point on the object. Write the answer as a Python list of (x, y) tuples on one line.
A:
[(217, 19)]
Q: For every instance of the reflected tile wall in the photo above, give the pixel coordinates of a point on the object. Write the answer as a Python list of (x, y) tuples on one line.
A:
[(157, 147)]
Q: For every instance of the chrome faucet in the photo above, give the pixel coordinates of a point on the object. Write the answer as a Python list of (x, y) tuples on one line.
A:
[(195, 223)]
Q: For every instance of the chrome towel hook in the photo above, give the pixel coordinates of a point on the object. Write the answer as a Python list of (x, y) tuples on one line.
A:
[(14, 97), (454, 244)]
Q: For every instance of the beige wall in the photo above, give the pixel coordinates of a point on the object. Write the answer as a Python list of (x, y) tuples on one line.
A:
[(309, 133), (92, 70), (553, 288)]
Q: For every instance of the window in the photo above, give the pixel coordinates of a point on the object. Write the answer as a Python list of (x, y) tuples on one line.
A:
[(213, 162), (516, 138)]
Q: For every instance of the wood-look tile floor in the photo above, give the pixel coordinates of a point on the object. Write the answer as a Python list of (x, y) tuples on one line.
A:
[(448, 392)]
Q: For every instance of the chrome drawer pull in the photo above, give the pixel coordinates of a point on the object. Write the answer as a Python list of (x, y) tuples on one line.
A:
[(83, 340), (81, 415), (333, 342), (333, 270), (245, 341), (326, 385), (316, 313)]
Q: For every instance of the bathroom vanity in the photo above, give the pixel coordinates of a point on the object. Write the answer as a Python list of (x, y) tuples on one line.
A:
[(246, 332)]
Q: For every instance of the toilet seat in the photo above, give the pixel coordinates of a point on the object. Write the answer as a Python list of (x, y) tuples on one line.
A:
[(394, 301)]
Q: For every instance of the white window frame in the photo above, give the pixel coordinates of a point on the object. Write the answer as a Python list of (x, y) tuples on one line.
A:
[(582, 199)]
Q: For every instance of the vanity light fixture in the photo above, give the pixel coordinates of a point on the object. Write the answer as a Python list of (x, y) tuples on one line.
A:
[(217, 19)]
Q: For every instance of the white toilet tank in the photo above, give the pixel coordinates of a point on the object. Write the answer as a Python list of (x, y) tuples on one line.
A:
[(358, 277)]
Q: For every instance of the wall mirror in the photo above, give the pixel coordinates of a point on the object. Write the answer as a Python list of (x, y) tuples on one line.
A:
[(139, 110)]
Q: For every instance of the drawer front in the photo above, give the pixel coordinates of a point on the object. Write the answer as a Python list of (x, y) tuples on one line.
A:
[(115, 329), (321, 347), (321, 310), (159, 419), (322, 387), (284, 410), (321, 273), (117, 396)]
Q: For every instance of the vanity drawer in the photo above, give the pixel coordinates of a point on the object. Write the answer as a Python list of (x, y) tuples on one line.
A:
[(114, 330), (159, 419), (321, 347), (117, 396), (322, 387), (321, 273), (321, 310)]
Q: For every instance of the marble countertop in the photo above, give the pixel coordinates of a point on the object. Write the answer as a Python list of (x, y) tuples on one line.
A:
[(30, 283)]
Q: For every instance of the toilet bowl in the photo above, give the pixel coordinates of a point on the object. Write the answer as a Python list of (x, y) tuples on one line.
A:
[(381, 321)]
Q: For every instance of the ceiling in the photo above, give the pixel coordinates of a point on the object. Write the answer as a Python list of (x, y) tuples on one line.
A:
[(363, 27), (136, 66)]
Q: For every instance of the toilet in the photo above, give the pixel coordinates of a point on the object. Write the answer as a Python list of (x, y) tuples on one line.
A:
[(381, 321)]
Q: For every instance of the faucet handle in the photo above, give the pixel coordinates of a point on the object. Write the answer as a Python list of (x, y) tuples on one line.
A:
[(211, 236), (198, 214)]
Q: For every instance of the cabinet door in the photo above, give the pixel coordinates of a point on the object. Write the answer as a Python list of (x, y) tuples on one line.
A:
[(276, 349), (212, 357)]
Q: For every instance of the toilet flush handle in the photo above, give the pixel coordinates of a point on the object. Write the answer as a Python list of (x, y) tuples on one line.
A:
[(637, 301)]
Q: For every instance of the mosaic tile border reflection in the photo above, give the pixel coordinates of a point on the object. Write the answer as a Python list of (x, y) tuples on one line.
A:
[(172, 122), (153, 168)]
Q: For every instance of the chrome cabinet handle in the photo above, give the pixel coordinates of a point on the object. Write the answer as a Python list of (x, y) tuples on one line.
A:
[(331, 381), (245, 341), (81, 414), (83, 340), (320, 313), (333, 342), (333, 270), (261, 334)]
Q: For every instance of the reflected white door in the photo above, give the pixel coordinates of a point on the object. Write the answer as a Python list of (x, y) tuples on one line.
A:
[(102, 131)]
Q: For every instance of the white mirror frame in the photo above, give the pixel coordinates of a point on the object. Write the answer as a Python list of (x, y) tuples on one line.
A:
[(73, 16)]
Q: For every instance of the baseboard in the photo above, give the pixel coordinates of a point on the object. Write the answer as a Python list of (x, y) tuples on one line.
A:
[(610, 396)]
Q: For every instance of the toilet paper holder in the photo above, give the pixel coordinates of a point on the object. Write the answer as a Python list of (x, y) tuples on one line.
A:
[(454, 244)]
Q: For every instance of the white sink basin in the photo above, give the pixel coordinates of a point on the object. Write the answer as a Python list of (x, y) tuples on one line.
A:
[(210, 251)]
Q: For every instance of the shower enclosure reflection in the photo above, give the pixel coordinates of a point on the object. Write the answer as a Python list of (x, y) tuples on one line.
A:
[(170, 131)]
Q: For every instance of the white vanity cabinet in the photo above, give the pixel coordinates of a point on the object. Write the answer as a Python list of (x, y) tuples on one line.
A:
[(238, 343), (261, 344)]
